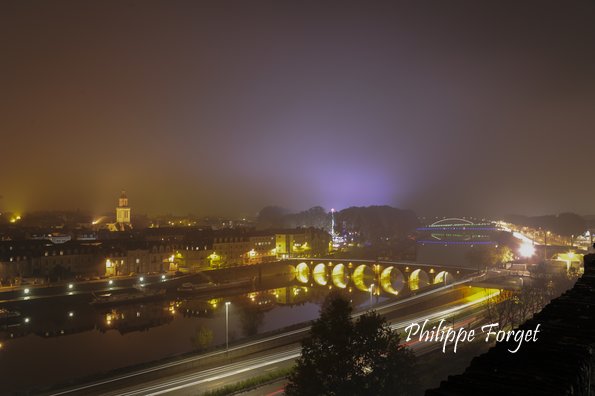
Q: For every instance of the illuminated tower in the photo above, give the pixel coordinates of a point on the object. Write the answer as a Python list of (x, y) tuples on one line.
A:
[(336, 239), (333, 223), (123, 213)]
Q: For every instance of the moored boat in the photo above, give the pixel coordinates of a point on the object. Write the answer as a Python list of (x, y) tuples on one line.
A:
[(6, 314), (8, 317), (195, 288), (124, 298)]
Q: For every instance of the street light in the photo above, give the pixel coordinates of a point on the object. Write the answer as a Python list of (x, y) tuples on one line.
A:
[(371, 291), (527, 250), (227, 325)]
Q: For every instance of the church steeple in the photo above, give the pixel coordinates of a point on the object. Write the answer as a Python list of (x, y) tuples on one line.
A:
[(123, 201), (123, 212)]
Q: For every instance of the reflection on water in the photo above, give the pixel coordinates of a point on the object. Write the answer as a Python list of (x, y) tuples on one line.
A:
[(56, 340), (53, 342), (127, 319), (252, 316), (202, 338)]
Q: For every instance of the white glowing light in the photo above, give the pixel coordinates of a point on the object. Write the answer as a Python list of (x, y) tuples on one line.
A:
[(527, 250)]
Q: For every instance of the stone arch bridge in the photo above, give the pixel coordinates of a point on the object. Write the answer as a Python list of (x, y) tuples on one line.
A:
[(374, 276)]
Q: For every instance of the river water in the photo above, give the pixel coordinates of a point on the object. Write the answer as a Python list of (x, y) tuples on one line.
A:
[(58, 340)]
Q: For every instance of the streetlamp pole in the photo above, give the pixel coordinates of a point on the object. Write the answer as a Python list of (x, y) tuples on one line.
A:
[(371, 292), (227, 325)]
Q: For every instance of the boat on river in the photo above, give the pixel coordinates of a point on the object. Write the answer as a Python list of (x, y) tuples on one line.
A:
[(130, 297), (240, 283), (7, 317), (191, 288)]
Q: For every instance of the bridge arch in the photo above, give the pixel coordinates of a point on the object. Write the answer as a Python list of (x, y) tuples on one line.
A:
[(444, 277), (392, 280), (302, 273), (340, 276), (418, 279), (319, 274), (451, 221), (363, 277), (291, 272)]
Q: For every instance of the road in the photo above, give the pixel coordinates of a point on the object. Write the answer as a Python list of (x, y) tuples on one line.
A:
[(198, 374), (196, 383)]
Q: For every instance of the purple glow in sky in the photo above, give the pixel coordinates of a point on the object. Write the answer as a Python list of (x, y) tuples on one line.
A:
[(225, 107)]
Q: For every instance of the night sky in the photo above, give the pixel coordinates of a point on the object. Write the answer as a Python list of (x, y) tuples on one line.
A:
[(444, 107)]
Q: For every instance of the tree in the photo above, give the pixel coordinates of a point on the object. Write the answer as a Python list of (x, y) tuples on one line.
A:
[(202, 338), (271, 217), (316, 217), (498, 307), (251, 318), (375, 224), (345, 358), (488, 256), (382, 365)]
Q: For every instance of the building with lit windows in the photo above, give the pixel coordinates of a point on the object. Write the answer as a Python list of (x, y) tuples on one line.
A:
[(137, 257), (44, 260), (123, 220), (302, 242), (232, 250), (263, 248)]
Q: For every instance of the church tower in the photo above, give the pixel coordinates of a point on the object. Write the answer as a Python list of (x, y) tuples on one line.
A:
[(123, 213)]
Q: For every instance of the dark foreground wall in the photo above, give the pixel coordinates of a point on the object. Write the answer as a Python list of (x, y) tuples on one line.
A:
[(560, 362)]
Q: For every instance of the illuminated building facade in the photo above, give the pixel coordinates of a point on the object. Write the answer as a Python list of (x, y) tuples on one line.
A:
[(123, 219), (262, 248), (138, 259), (306, 242), (232, 250), (44, 260)]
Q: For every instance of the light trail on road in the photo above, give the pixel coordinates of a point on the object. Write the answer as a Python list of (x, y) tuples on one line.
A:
[(277, 357), (212, 374), (230, 370)]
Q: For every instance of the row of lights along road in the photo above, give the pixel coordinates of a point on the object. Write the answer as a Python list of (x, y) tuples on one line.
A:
[(110, 282), (71, 286)]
